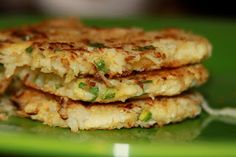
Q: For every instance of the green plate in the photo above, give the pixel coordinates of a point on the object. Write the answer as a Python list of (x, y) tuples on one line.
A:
[(204, 135)]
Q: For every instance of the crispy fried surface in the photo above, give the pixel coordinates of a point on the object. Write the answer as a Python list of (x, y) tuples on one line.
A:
[(56, 111), (67, 48), (147, 84)]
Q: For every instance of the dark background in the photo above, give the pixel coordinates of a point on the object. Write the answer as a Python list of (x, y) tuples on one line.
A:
[(214, 9)]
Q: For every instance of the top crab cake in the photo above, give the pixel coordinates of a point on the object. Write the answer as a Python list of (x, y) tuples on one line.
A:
[(69, 49)]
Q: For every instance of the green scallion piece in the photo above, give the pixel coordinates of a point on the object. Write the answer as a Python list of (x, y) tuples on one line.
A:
[(94, 90), (109, 95), (82, 85), (145, 116), (29, 49), (147, 81), (101, 66)]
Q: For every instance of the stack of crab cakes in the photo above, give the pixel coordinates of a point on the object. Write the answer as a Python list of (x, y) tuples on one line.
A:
[(85, 77)]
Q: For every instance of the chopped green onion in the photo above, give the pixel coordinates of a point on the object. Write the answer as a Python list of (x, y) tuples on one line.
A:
[(145, 116), (147, 81), (101, 66), (29, 49), (97, 45), (94, 91), (82, 85), (109, 95), (149, 47)]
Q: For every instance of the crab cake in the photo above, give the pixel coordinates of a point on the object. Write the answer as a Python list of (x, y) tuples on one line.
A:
[(57, 111), (68, 49), (166, 82)]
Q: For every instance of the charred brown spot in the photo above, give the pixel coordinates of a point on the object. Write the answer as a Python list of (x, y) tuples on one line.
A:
[(164, 77), (124, 73), (18, 34), (97, 76), (150, 102), (128, 106), (63, 112), (140, 83), (63, 45), (25, 78), (158, 37), (85, 41), (145, 48), (61, 100), (73, 55), (118, 47), (75, 49), (37, 33), (129, 58), (33, 112), (38, 44), (41, 49), (92, 83), (158, 55)]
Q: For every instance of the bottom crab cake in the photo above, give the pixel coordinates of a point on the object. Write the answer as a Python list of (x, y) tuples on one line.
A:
[(61, 112)]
